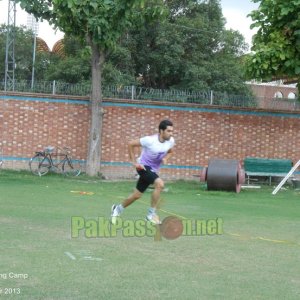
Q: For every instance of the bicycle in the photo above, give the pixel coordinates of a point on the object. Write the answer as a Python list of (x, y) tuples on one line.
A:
[(44, 161)]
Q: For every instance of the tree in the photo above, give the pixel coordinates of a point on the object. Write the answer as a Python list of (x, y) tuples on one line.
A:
[(100, 23), (227, 69), (23, 52), (276, 45), (189, 49), (72, 64)]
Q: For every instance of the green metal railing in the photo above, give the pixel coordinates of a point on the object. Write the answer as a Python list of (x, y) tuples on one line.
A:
[(143, 94)]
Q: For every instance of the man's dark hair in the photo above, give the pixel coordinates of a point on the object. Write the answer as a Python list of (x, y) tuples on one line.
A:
[(164, 124)]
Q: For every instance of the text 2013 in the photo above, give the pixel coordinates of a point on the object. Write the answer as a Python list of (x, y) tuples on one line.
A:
[(10, 291)]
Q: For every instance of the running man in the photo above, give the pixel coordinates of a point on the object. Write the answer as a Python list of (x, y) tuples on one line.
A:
[(156, 150)]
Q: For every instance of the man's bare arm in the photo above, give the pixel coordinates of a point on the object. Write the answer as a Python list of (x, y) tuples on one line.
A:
[(165, 159), (131, 146)]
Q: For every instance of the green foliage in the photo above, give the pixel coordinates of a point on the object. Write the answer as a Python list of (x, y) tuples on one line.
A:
[(44, 61), (101, 21), (23, 52), (114, 77), (119, 68), (277, 42), (189, 49), (71, 69), (98, 23), (73, 46), (75, 65)]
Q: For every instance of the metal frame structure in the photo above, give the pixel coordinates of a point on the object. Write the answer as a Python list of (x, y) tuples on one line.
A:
[(32, 23), (10, 48), (283, 181)]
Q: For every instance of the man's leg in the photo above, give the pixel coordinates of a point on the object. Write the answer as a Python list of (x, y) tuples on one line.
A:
[(130, 199), (158, 187), (116, 210)]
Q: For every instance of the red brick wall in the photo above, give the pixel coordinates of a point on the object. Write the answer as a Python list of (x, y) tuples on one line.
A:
[(28, 126), (268, 90), (200, 133), (265, 94)]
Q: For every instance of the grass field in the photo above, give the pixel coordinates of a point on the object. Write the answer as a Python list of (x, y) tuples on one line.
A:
[(256, 257)]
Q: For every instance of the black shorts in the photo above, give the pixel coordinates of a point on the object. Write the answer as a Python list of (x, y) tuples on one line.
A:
[(147, 177)]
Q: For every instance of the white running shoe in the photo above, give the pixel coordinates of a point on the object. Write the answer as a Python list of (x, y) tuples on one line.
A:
[(114, 214), (153, 218)]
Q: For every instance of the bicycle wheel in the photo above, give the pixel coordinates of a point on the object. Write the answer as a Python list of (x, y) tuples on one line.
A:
[(44, 166), (71, 167), (35, 162)]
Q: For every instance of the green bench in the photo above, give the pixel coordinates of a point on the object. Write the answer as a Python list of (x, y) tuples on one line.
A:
[(264, 167)]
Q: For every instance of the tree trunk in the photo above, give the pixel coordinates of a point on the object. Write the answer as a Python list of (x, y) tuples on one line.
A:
[(298, 88), (95, 134)]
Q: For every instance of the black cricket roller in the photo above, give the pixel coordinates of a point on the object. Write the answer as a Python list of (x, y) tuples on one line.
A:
[(223, 175)]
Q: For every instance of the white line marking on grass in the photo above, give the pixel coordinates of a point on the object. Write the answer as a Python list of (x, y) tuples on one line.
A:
[(250, 186), (83, 253), (234, 234), (87, 255), (70, 255), (276, 241), (92, 258)]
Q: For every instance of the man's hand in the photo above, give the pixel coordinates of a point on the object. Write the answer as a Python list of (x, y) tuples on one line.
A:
[(131, 145), (164, 161), (139, 167)]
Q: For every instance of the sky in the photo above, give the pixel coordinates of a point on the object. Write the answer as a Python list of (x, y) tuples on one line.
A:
[(235, 12), (45, 31)]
